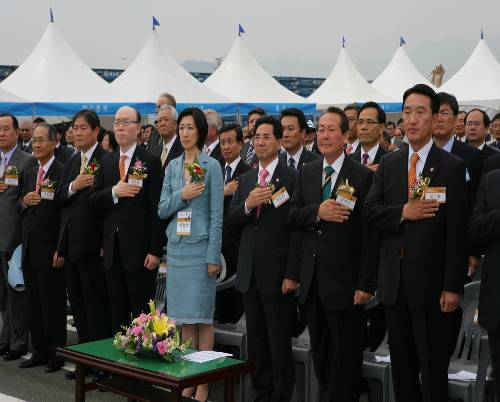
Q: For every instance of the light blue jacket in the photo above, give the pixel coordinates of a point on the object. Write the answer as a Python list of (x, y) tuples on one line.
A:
[(207, 209)]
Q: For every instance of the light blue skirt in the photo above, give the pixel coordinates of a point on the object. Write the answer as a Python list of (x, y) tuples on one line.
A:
[(190, 291)]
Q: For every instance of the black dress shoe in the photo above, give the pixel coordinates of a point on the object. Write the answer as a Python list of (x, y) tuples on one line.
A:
[(33, 362), (70, 375), (53, 366), (4, 350), (13, 355)]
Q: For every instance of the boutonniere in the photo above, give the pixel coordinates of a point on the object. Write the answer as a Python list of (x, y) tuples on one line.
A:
[(47, 189), (345, 194), (11, 176), (271, 187), (417, 191), (137, 173), (91, 167), (196, 172)]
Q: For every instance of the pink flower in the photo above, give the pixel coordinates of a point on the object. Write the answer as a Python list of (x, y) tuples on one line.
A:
[(138, 164), (136, 330), (162, 347), (143, 318)]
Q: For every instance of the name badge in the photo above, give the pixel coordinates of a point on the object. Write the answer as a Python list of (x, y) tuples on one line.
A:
[(135, 180), (280, 197), (346, 199), (11, 180), (184, 223), (436, 193), (47, 194)]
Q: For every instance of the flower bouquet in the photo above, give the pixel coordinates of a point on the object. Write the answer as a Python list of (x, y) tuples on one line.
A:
[(91, 167), (151, 334), (270, 186), (417, 191), (196, 172)]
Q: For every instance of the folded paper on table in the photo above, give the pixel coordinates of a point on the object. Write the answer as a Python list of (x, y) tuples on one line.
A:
[(462, 376), (204, 356), (383, 359)]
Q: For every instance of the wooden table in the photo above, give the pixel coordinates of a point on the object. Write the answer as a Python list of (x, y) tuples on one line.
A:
[(133, 376)]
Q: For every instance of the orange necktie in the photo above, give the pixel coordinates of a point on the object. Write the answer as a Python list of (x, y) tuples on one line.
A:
[(412, 173), (121, 166)]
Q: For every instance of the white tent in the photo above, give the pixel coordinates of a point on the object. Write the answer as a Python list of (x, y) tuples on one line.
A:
[(59, 82), (10, 103), (399, 75), (346, 85), (242, 79), (477, 83), (155, 70)]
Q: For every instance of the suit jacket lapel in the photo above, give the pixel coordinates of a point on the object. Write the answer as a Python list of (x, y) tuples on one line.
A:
[(431, 164), (345, 173), (15, 157)]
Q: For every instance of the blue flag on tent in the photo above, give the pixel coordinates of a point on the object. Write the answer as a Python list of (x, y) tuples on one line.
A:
[(51, 15), (156, 23), (401, 41), (240, 30), (343, 41), (482, 33)]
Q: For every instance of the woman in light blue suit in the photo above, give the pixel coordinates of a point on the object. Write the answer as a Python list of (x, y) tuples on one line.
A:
[(194, 251)]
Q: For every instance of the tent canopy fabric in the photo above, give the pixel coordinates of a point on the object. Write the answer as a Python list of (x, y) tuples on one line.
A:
[(155, 70), (58, 82), (399, 75), (477, 83), (242, 79), (346, 85), (10, 103)]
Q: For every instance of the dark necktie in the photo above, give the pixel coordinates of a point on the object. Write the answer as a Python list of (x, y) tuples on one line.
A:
[(228, 174), (365, 158), (327, 187), (291, 163)]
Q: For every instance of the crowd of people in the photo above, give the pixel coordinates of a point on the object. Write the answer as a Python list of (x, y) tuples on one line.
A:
[(314, 219)]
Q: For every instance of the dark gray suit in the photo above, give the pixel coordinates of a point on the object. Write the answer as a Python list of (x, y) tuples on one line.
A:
[(13, 304)]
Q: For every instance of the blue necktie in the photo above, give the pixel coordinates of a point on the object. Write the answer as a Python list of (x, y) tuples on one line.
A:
[(228, 174), (327, 187), (291, 163), (250, 154)]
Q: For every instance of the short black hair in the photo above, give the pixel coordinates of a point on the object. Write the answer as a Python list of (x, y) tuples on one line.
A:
[(390, 123), (90, 116), (299, 114), (277, 129), (38, 120), (15, 122), (425, 90), (351, 106), (257, 110), (486, 118), (200, 121), (496, 117), (450, 100), (233, 126), (462, 112), (400, 120), (344, 122), (381, 117), (386, 135)]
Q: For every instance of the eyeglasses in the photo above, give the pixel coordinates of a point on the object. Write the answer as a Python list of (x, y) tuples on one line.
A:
[(496, 125), (124, 123), (39, 140), (368, 122), (474, 123)]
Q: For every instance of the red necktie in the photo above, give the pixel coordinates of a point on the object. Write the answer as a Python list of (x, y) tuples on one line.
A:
[(349, 149), (262, 183), (39, 179)]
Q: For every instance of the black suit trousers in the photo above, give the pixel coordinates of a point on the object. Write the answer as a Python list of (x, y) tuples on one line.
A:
[(269, 343), (494, 341), (337, 339), (421, 343), (88, 297), (129, 292), (47, 307)]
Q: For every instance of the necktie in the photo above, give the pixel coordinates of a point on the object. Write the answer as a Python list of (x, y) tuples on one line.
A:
[(164, 155), (3, 164), (228, 174), (83, 163), (121, 166), (365, 158), (327, 186), (206, 149), (262, 183), (250, 154), (349, 149), (291, 163), (39, 179), (412, 173)]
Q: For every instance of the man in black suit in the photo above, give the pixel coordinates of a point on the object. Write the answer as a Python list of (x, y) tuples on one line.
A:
[(460, 127), (352, 144), (446, 122), (169, 146), (265, 275), (25, 135), (370, 127), (42, 267), (337, 258), (80, 235), (133, 236), (228, 303), (212, 145), (310, 142), (248, 150), (495, 132), (294, 126), (476, 130), (485, 230), (164, 99), (423, 250)]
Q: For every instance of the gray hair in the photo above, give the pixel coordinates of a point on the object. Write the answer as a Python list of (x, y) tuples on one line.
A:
[(26, 121), (173, 110), (214, 119), (51, 130)]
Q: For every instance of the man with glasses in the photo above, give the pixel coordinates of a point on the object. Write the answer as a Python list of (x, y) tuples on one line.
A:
[(127, 189), (351, 112), (476, 130), (495, 132), (370, 127)]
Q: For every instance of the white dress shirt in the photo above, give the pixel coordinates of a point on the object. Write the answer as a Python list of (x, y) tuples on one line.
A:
[(295, 157), (233, 166), (354, 146), (371, 153), (129, 154), (422, 156), (210, 148), (47, 166), (88, 154)]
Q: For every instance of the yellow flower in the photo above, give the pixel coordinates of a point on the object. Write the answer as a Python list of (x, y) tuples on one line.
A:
[(152, 307), (160, 325)]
